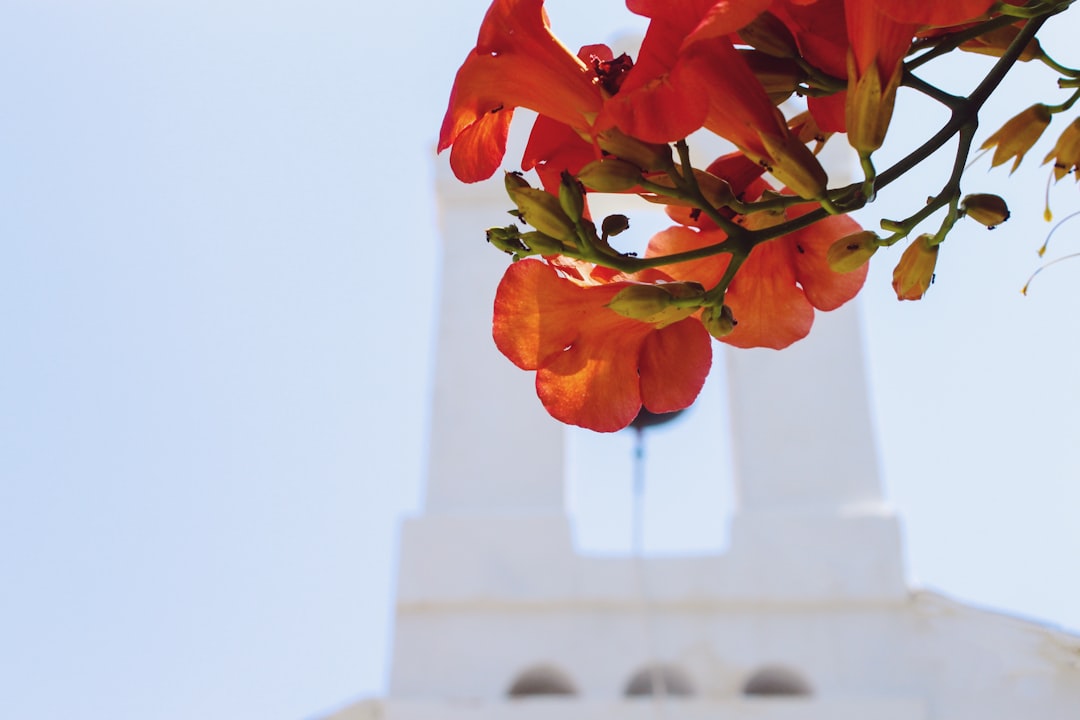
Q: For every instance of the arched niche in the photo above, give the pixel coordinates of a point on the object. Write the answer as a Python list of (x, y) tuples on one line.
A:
[(659, 680), (541, 680), (776, 681)]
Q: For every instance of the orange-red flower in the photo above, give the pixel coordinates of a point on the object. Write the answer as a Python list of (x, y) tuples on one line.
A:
[(688, 75), (594, 367), (517, 62)]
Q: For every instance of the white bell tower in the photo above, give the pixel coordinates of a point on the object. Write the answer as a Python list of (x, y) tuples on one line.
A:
[(807, 616)]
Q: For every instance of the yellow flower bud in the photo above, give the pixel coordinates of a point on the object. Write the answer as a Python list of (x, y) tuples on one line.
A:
[(1066, 153), (719, 321), (997, 41), (659, 305), (852, 252), (1018, 135), (794, 165), (990, 210), (610, 175), (869, 106), (915, 271)]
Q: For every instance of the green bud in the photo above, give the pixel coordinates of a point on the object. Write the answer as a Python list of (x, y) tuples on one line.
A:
[(514, 181), (852, 252), (610, 175), (544, 212), (507, 239), (660, 305), (719, 321), (990, 210), (539, 243), (571, 197), (614, 224), (649, 157)]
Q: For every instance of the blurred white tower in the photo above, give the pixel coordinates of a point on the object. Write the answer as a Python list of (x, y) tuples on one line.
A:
[(807, 616)]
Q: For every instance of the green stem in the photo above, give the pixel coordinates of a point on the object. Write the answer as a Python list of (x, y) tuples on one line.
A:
[(1067, 105), (715, 296), (1056, 66)]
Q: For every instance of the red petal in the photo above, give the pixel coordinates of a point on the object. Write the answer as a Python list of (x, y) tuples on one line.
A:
[(595, 385), (479, 148), (770, 309), (538, 313), (830, 112), (825, 289), (706, 271), (674, 364), (657, 102), (553, 147), (726, 17)]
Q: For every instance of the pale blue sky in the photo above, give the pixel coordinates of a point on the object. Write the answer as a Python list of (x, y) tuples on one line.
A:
[(217, 263)]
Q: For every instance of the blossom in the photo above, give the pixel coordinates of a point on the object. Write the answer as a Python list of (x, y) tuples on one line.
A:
[(517, 62), (915, 271), (689, 75), (595, 368)]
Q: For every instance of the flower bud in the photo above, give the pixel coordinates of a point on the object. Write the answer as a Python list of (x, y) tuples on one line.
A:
[(869, 105), (794, 165), (571, 197), (542, 210), (997, 41), (614, 224), (507, 239), (1066, 152), (771, 36), (915, 271), (610, 175), (1018, 135), (990, 210), (659, 305), (539, 243), (779, 76), (514, 181), (650, 157), (852, 252), (719, 321)]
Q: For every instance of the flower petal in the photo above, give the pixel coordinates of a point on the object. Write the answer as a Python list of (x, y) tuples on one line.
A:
[(824, 288), (595, 385), (479, 148), (771, 310), (674, 364)]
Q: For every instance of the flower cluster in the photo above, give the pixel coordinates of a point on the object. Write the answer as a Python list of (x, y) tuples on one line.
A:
[(760, 240)]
